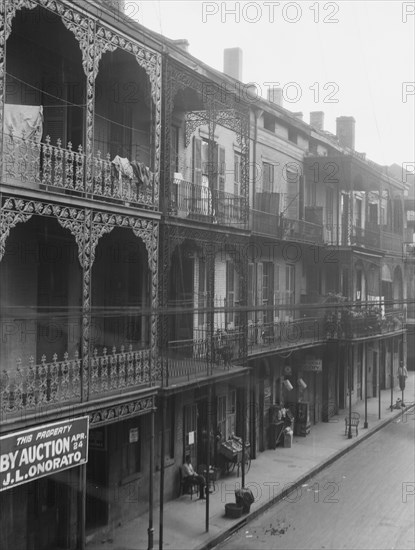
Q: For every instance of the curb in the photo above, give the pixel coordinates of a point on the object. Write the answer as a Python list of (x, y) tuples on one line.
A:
[(311, 473)]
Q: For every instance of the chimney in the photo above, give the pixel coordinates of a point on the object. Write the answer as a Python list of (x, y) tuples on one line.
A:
[(317, 120), (232, 62), (182, 43), (275, 95), (298, 115), (345, 131)]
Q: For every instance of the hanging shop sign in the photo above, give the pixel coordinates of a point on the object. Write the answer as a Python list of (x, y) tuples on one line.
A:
[(313, 365), (45, 450)]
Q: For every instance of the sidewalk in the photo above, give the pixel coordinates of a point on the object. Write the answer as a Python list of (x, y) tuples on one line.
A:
[(270, 477)]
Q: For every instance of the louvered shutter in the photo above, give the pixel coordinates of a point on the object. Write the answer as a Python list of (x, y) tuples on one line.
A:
[(292, 200), (197, 161), (221, 168)]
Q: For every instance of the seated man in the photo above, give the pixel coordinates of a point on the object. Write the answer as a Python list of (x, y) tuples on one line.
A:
[(189, 474)]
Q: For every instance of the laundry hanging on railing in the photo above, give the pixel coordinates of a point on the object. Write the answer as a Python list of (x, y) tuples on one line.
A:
[(24, 121), (123, 167), (143, 173), (130, 177)]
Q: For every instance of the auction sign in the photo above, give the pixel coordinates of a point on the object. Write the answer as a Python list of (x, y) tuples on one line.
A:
[(45, 450)]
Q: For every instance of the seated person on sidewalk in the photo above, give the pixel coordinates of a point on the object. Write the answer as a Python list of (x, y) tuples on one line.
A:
[(188, 474)]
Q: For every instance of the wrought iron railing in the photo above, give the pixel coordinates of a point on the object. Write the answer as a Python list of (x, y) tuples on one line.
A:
[(202, 203), (49, 384), (203, 355), (366, 237), (43, 165), (264, 223), (362, 322), (272, 225), (392, 242), (284, 334), (301, 230)]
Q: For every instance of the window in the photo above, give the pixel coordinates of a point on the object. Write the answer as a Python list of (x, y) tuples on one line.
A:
[(221, 169), (169, 432), (329, 207), (190, 423), (231, 420), (267, 177), (237, 174), (131, 447), (269, 122), (359, 279), (312, 193), (251, 292), (290, 287), (197, 161), (221, 415), (373, 214), (268, 290), (345, 282), (174, 150), (230, 293), (292, 135), (358, 221), (292, 199), (202, 292), (277, 294), (397, 216)]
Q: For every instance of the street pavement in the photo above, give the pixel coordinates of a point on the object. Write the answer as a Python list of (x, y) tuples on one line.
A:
[(364, 500), (271, 478)]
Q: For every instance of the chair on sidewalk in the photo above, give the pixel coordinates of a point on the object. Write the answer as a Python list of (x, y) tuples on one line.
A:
[(354, 422), (188, 486)]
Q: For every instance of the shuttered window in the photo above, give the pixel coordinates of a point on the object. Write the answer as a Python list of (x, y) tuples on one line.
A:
[(197, 161), (267, 177), (221, 168), (292, 199)]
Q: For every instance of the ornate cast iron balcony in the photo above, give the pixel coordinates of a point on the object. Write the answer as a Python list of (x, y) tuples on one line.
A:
[(192, 359), (283, 335), (33, 165), (272, 225), (354, 322), (198, 202), (48, 385)]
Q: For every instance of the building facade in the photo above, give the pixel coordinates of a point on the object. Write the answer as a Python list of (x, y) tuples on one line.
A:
[(181, 262)]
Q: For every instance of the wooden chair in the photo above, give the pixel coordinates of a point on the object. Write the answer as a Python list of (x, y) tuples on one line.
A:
[(354, 422), (187, 485)]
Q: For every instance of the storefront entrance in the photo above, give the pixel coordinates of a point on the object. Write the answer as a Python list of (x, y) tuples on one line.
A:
[(97, 480)]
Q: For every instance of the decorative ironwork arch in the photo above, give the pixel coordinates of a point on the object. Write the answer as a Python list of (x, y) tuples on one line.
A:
[(16, 211)]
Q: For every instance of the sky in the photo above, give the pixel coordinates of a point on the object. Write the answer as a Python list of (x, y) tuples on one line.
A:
[(353, 58)]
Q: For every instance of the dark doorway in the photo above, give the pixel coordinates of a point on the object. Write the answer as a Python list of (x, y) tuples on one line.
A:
[(375, 373), (97, 480)]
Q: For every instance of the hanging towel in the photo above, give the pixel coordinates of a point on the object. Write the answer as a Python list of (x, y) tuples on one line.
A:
[(123, 166), (25, 120)]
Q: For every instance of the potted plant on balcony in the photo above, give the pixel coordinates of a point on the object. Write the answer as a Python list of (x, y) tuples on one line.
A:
[(373, 319), (333, 322)]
